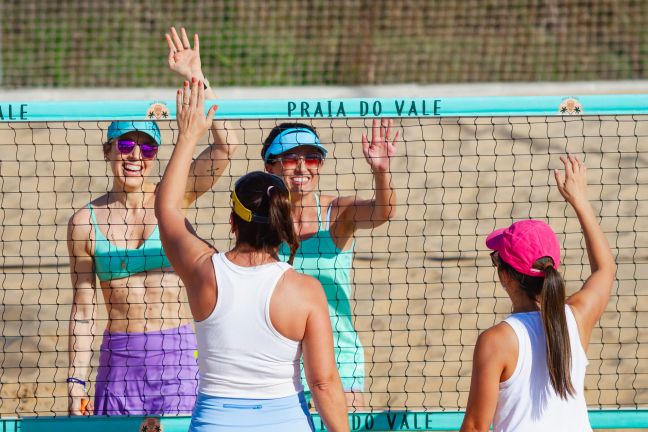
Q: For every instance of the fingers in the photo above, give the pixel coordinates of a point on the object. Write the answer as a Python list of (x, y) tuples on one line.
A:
[(567, 165), (185, 39), (211, 113), (559, 180), (388, 129), (194, 95), (374, 129), (365, 144), (579, 166), (179, 98), (382, 128), (186, 95), (172, 51), (191, 96), (169, 41), (176, 39), (573, 166), (196, 43), (393, 143)]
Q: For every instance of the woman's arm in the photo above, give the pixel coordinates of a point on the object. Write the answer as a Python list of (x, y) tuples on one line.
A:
[(207, 168), (590, 301), (188, 253), (319, 360), (83, 312), (352, 213), (489, 362)]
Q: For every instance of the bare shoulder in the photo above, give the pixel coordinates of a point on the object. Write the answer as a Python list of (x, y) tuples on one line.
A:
[(80, 221), (302, 286), (497, 340), (80, 233), (82, 215)]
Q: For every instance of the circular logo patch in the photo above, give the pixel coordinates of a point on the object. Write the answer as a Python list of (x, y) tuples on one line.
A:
[(157, 111), (570, 106), (151, 425)]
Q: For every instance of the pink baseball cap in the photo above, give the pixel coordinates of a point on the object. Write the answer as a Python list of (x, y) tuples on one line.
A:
[(523, 243)]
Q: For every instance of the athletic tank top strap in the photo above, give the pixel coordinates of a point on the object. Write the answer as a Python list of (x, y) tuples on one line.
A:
[(95, 224)]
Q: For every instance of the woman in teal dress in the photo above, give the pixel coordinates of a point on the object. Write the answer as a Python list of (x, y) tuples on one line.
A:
[(326, 225)]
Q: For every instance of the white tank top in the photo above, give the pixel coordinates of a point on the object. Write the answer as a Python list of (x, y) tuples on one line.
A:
[(527, 401), (240, 353)]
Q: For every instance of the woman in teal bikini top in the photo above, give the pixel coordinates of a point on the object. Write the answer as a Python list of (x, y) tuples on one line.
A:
[(293, 151), (116, 240)]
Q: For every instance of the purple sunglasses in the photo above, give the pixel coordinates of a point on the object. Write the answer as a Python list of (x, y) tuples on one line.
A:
[(147, 151)]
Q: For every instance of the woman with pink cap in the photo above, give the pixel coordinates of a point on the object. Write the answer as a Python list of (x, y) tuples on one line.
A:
[(529, 371)]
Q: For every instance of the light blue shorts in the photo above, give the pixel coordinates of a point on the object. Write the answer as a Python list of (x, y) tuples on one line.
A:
[(219, 414)]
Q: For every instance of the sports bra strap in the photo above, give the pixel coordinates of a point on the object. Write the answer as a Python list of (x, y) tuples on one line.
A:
[(93, 217)]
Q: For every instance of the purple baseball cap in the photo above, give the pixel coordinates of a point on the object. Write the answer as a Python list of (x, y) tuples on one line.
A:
[(525, 242)]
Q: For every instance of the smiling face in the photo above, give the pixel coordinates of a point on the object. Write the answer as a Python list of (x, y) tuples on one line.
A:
[(299, 170), (130, 169)]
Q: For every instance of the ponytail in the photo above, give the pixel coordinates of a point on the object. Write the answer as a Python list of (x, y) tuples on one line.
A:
[(280, 220), (550, 290), (558, 348)]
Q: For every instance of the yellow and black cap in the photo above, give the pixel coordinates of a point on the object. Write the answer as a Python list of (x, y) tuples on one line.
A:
[(261, 183)]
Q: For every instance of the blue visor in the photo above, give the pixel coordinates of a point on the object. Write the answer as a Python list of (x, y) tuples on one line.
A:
[(119, 128), (291, 138)]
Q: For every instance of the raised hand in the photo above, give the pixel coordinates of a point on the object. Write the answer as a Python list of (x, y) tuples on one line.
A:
[(573, 186), (381, 148), (184, 60), (190, 110)]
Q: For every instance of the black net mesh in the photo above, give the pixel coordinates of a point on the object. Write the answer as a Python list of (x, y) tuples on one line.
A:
[(423, 284)]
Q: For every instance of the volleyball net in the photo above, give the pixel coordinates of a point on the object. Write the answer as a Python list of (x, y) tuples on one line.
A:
[(423, 283)]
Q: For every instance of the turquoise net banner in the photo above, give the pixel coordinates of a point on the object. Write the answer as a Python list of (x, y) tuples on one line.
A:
[(387, 421), (334, 108)]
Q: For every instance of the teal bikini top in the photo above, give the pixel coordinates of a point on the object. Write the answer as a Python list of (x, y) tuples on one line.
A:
[(112, 262)]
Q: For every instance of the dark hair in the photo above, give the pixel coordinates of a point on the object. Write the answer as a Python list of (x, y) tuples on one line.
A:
[(266, 196), (280, 128), (106, 148), (550, 289)]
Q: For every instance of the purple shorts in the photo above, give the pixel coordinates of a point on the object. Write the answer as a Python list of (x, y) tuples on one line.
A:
[(147, 373)]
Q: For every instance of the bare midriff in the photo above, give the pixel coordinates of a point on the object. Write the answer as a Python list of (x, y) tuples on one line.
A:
[(153, 300)]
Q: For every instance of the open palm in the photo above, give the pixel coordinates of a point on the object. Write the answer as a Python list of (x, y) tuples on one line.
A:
[(183, 59), (381, 148)]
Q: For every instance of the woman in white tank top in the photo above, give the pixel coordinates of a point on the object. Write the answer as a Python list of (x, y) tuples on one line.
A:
[(529, 371), (254, 315)]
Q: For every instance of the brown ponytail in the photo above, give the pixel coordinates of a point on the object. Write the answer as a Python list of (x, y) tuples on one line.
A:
[(558, 348), (280, 220), (550, 290)]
